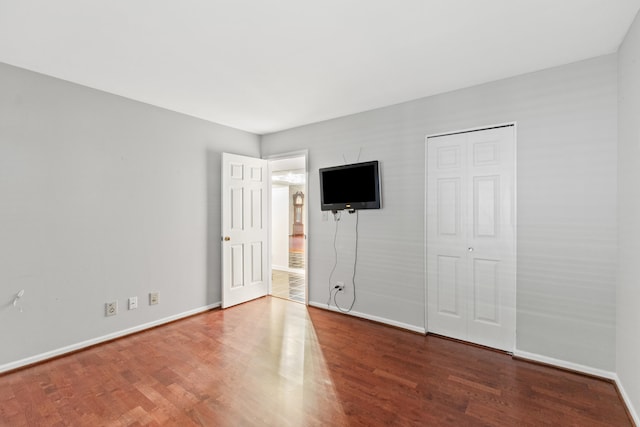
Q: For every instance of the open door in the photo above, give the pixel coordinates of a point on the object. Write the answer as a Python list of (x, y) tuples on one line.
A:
[(245, 261)]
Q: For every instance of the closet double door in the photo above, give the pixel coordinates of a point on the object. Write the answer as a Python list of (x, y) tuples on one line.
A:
[(471, 237)]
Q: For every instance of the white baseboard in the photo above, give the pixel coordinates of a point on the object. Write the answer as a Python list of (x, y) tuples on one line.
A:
[(627, 401), (564, 364), (88, 343), (383, 320)]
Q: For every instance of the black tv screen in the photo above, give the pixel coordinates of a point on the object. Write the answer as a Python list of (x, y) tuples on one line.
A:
[(354, 186)]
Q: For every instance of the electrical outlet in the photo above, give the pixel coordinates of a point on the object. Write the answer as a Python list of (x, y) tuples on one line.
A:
[(133, 303), (340, 286), (154, 298), (111, 308)]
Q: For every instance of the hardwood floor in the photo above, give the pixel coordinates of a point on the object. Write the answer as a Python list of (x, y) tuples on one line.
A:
[(278, 363)]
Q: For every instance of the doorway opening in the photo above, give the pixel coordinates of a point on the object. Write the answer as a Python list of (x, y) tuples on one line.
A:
[(288, 228)]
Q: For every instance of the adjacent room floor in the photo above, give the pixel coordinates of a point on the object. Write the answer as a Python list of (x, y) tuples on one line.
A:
[(288, 285), (273, 362), (291, 284)]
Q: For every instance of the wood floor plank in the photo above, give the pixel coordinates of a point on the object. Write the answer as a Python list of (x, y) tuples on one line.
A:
[(273, 362)]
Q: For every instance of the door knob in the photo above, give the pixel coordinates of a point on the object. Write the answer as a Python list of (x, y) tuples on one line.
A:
[(470, 249), (227, 238)]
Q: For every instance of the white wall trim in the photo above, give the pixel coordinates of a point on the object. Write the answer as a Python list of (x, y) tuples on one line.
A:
[(280, 156), (565, 364), (425, 221), (382, 320), (88, 343), (627, 400), (473, 129)]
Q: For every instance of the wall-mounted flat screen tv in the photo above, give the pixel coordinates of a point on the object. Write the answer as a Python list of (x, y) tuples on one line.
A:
[(354, 186)]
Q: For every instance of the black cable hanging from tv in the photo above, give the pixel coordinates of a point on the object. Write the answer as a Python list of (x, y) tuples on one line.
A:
[(336, 218), (353, 278)]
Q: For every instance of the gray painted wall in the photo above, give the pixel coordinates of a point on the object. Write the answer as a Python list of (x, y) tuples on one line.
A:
[(105, 198), (567, 205), (102, 198), (628, 344)]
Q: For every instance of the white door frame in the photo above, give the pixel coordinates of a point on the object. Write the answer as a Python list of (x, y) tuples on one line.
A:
[(282, 156), (515, 213)]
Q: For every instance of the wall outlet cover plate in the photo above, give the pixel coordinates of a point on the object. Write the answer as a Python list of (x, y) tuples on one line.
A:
[(111, 308), (153, 298)]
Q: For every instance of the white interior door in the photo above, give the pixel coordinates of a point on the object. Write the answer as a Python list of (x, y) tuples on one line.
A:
[(471, 236), (245, 261)]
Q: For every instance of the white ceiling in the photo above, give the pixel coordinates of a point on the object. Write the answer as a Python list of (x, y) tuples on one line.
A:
[(269, 65)]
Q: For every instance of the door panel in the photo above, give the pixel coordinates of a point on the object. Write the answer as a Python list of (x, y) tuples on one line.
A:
[(244, 220), (486, 191), (486, 301), (448, 285), (237, 266), (446, 237), (257, 209), (256, 262), (470, 217), (486, 153), (492, 171), (449, 207), (449, 157)]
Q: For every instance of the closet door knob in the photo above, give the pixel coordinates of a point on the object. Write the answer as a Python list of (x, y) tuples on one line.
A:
[(470, 249)]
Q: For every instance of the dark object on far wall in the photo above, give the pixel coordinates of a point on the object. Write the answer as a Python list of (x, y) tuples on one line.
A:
[(298, 201)]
